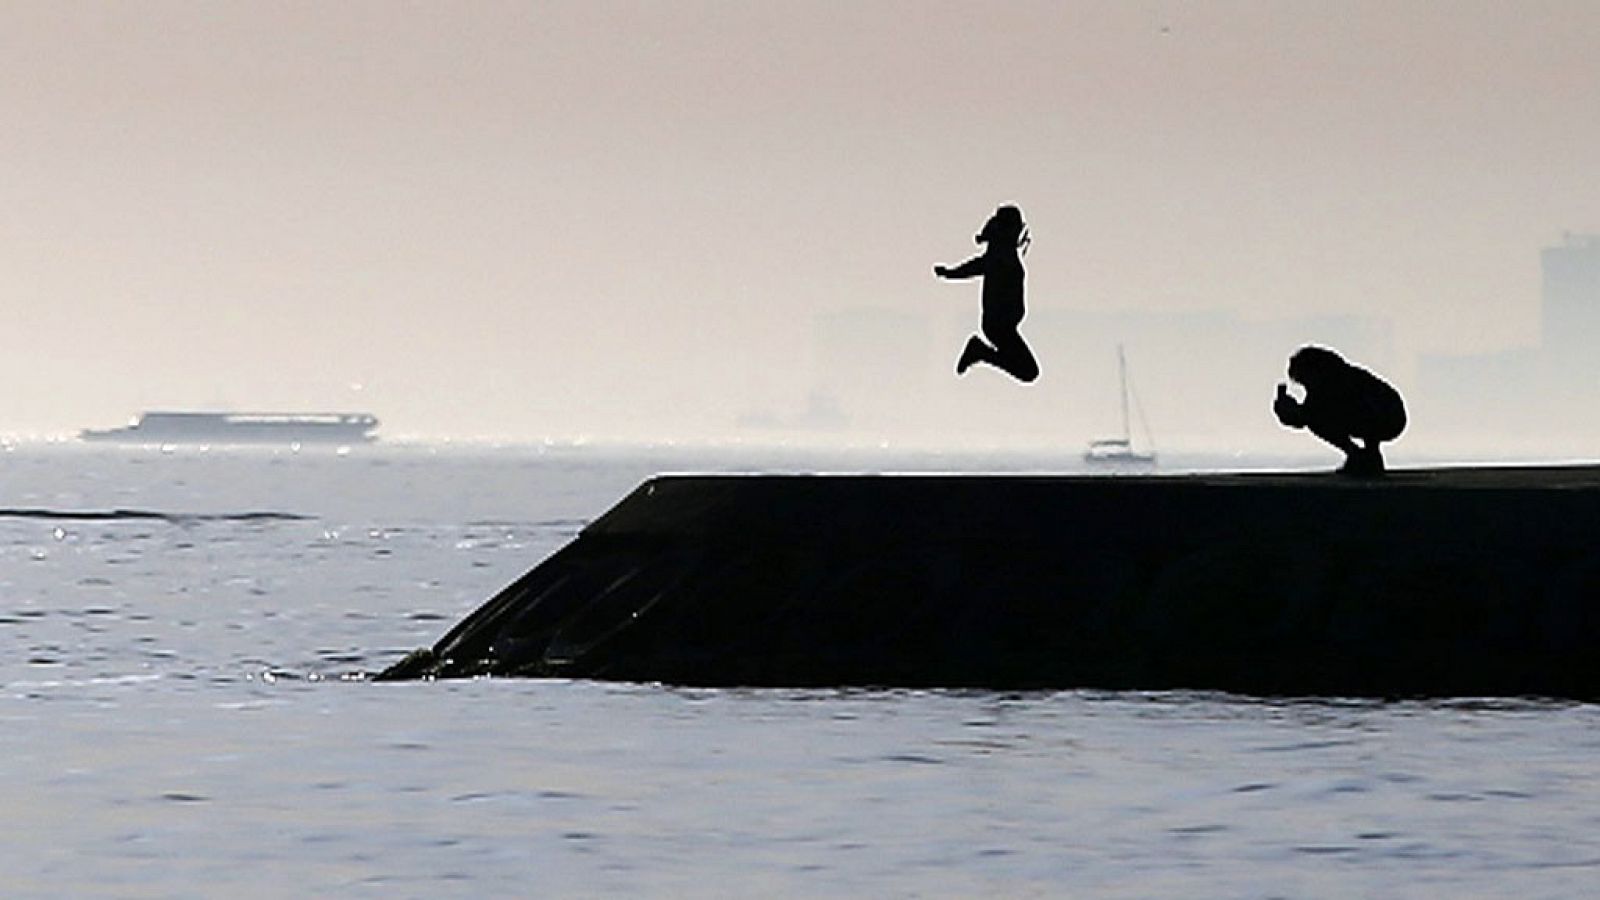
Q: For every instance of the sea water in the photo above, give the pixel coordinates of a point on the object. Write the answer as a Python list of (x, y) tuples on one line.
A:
[(183, 713)]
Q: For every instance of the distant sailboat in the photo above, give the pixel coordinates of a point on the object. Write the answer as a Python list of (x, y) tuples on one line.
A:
[(1120, 450)]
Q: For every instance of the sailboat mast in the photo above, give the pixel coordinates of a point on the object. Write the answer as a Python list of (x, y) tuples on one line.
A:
[(1122, 385)]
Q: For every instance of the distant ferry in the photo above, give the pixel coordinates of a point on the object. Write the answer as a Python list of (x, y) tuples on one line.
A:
[(241, 428)]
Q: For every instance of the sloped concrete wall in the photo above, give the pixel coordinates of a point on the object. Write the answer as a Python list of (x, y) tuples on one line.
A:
[(1449, 582)]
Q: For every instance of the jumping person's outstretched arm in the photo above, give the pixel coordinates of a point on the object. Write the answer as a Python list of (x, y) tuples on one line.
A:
[(972, 268)]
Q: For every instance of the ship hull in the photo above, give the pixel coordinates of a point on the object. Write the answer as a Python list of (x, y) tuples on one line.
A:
[(227, 436), (241, 428)]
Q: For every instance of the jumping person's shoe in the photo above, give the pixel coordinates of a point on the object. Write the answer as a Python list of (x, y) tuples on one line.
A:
[(971, 354)]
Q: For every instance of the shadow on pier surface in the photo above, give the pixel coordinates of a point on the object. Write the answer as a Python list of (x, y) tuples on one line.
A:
[(1458, 582)]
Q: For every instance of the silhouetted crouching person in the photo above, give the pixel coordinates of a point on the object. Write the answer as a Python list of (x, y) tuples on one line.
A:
[(1000, 266), (1344, 404)]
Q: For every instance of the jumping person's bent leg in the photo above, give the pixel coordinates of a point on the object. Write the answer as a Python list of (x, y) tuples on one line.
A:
[(1011, 355), (976, 351)]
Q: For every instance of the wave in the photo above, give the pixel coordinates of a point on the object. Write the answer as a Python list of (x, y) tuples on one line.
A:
[(100, 515)]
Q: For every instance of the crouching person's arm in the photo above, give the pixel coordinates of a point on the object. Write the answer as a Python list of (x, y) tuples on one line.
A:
[(1289, 411)]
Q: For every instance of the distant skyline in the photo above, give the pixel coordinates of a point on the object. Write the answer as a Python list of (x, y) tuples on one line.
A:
[(622, 219)]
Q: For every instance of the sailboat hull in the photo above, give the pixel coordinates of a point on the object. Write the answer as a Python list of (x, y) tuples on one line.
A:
[(1124, 458)]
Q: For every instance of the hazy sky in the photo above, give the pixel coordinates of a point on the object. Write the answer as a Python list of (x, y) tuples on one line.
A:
[(624, 218)]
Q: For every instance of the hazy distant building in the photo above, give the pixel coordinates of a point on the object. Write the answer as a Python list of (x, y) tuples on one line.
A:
[(1549, 389), (1571, 303), (1205, 375), (1483, 393), (1202, 376), (871, 364)]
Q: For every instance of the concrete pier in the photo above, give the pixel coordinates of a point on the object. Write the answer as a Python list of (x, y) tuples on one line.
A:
[(1458, 582)]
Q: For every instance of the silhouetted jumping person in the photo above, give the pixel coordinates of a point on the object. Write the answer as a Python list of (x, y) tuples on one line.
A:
[(1344, 403), (1000, 265)]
